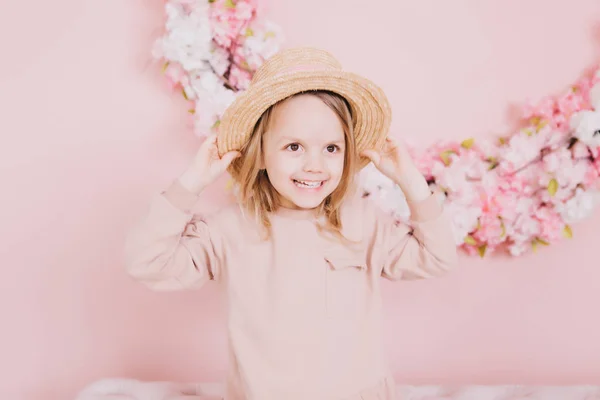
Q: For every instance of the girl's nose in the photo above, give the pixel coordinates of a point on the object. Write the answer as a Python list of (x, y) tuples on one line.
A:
[(313, 163)]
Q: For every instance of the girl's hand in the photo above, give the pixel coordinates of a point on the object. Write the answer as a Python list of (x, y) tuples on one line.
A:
[(206, 166), (395, 162)]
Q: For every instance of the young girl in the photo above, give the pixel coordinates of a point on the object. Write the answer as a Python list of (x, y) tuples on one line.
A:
[(301, 255)]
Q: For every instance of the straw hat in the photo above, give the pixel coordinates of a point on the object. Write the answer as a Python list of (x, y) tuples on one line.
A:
[(296, 70)]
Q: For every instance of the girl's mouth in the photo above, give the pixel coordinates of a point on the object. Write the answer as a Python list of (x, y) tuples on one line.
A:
[(308, 184)]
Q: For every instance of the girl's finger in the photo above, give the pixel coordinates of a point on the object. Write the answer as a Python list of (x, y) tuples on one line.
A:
[(372, 155)]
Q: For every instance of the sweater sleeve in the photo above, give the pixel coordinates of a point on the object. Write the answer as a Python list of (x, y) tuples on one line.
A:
[(426, 249), (171, 248)]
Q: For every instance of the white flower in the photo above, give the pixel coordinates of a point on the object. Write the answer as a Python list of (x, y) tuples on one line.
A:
[(463, 178), (523, 229), (586, 127), (518, 247), (521, 149), (262, 44), (188, 37), (189, 42), (580, 206), (207, 82), (203, 123), (560, 165), (464, 219), (586, 123), (384, 192), (219, 60), (557, 159), (210, 86)]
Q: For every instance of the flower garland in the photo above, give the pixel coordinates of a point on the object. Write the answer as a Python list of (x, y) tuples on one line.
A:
[(211, 49), (521, 191), (515, 193)]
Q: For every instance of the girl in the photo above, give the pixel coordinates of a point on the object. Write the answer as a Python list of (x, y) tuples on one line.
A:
[(301, 255)]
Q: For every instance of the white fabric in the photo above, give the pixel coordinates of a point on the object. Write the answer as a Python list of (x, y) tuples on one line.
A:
[(131, 389)]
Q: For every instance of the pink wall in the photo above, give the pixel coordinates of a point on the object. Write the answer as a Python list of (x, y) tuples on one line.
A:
[(90, 132)]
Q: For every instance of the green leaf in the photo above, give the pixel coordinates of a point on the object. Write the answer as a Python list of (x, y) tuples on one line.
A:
[(445, 156), (468, 143), (216, 124), (192, 111), (185, 96), (534, 120), (470, 240), (537, 241), (229, 4), (249, 32), (493, 163), (541, 125), (567, 232), (552, 187), (542, 241), (481, 249)]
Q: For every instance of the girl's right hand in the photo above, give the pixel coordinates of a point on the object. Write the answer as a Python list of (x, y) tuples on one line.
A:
[(206, 166)]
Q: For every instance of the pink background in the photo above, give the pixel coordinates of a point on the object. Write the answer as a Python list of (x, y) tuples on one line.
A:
[(90, 132)]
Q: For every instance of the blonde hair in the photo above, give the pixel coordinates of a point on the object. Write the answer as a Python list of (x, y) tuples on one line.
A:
[(256, 191)]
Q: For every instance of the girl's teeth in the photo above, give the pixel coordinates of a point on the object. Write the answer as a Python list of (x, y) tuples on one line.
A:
[(308, 184)]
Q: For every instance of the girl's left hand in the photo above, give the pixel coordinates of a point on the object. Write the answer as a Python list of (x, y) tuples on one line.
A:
[(393, 160)]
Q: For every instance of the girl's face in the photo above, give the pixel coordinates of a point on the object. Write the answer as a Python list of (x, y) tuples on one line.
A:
[(303, 151)]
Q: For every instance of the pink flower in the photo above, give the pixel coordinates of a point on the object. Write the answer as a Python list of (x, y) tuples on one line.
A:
[(239, 78), (544, 109), (186, 4), (176, 75), (471, 249), (229, 18), (220, 60), (570, 102), (248, 57), (491, 231), (591, 176), (596, 165), (592, 173), (580, 151), (551, 224), (426, 159), (525, 227)]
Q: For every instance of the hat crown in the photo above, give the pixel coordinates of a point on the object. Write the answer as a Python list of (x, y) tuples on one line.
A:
[(295, 60)]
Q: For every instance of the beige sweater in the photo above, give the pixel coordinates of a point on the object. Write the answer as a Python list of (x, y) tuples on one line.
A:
[(304, 310)]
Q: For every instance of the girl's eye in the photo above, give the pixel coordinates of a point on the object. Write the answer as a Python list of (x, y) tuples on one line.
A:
[(294, 146), (332, 148)]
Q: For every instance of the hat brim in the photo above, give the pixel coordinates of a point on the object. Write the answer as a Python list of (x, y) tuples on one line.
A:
[(367, 101)]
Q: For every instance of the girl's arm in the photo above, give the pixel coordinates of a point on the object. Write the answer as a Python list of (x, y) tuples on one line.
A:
[(171, 248), (425, 249)]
